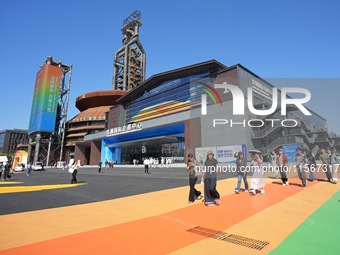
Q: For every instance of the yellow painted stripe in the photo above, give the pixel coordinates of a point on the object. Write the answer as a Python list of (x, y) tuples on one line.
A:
[(6, 183), (124, 209), (15, 189)]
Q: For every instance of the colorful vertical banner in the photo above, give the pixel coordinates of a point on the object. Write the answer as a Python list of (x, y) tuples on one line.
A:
[(45, 99)]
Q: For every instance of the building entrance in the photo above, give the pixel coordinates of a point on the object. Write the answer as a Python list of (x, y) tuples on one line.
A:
[(156, 150)]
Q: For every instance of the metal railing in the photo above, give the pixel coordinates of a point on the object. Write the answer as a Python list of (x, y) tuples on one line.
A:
[(268, 129), (279, 142)]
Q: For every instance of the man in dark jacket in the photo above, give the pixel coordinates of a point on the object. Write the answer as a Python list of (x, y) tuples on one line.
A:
[(324, 160), (281, 163), (301, 161), (100, 166), (7, 170)]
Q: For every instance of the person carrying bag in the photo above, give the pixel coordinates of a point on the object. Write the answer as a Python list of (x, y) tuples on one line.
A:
[(74, 170)]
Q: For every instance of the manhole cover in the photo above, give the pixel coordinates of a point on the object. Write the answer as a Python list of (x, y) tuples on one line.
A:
[(230, 238)]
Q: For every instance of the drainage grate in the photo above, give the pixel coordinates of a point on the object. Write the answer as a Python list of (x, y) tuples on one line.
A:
[(230, 238)]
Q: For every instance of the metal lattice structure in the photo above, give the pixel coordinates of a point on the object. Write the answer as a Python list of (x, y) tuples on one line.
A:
[(43, 143), (130, 60)]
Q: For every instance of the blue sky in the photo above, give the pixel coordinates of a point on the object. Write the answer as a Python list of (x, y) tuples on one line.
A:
[(274, 39)]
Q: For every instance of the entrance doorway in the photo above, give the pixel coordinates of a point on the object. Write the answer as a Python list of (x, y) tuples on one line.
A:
[(155, 149)]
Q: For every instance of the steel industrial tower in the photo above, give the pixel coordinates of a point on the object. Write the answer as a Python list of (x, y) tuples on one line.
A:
[(130, 60), (41, 142)]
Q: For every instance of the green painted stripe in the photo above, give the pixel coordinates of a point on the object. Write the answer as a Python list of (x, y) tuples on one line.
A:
[(318, 234)]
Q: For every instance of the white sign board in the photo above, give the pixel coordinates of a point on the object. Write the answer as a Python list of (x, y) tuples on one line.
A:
[(201, 154), (226, 154), (124, 129)]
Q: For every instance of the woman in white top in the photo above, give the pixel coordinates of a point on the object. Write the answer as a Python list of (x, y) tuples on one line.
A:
[(257, 181), (74, 173)]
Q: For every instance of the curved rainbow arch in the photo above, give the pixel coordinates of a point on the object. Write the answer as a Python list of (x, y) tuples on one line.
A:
[(210, 94)]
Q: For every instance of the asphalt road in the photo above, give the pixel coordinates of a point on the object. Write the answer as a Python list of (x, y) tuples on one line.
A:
[(110, 184)]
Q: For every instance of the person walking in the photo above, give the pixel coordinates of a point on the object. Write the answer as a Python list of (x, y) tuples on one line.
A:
[(1, 169), (257, 181), (201, 164), (273, 160), (281, 164), (7, 170), (311, 165), (333, 165), (241, 165), (146, 166), (100, 166), (211, 195), (191, 169), (301, 161), (324, 160), (29, 169), (74, 167)]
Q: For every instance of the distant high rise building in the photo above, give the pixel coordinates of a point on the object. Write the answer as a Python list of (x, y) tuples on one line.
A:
[(130, 60), (10, 139)]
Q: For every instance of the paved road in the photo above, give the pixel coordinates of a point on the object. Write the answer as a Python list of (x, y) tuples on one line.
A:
[(110, 184)]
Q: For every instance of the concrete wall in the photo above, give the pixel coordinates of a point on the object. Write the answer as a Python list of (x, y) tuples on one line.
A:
[(79, 154), (192, 136), (95, 152), (222, 134)]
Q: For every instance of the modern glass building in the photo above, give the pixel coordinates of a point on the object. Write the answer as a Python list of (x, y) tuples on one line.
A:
[(160, 108), (164, 117)]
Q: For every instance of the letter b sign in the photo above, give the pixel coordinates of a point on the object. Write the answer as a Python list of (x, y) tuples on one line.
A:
[(143, 149)]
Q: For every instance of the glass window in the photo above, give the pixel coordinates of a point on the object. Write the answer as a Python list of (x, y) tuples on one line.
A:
[(169, 97), (175, 151)]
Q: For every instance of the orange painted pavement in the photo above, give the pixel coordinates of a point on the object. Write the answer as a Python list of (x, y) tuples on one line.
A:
[(164, 233), (272, 224)]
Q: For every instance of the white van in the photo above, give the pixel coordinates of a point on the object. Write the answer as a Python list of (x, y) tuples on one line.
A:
[(3, 159)]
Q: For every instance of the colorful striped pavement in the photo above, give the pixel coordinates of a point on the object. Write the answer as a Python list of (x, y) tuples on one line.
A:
[(287, 220)]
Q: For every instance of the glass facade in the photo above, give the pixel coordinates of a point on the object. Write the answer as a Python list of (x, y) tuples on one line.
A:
[(175, 151), (169, 97)]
